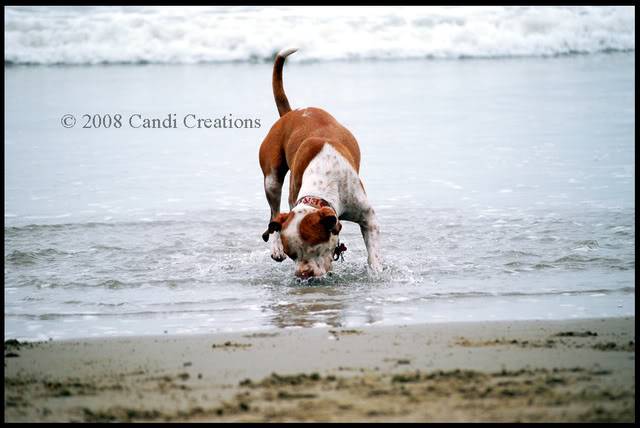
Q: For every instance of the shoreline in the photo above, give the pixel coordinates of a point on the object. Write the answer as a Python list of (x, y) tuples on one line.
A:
[(268, 61), (566, 370)]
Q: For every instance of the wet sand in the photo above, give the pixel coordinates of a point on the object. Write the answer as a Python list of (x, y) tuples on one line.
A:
[(578, 370)]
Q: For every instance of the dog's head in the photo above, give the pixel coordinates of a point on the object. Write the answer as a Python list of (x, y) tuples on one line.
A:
[(309, 237)]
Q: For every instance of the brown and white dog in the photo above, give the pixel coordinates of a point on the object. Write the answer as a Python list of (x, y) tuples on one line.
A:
[(324, 186)]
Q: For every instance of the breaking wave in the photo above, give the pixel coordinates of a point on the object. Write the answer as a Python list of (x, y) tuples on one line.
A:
[(184, 35)]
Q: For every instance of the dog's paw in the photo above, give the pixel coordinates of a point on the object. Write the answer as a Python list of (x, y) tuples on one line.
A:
[(277, 251), (375, 265)]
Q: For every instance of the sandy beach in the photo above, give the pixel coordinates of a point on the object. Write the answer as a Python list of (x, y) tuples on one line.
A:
[(578, 370)]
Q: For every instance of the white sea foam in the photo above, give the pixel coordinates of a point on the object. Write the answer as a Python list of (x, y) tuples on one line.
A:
[(93, 35)]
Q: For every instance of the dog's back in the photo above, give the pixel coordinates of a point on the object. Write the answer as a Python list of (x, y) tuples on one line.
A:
[(299, 135)]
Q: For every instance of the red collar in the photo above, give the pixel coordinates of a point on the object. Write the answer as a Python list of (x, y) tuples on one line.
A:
[(314, 202)]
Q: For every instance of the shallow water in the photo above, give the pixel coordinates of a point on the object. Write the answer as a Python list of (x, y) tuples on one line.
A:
[(505, 190)]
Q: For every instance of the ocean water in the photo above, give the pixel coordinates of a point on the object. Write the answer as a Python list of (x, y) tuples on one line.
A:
[(502, 169), (108, 34)]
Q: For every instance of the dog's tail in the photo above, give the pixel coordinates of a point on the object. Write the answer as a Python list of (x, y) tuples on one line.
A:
[(278, 89)]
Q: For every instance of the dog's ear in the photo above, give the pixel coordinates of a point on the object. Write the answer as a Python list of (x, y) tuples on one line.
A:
[(329, 220), (275, 225)]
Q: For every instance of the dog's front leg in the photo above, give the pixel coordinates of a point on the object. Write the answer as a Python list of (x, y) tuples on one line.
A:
[(273, 191), (277, 250), (371, 233)]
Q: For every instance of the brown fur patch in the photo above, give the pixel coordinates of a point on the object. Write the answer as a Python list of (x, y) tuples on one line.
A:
[(312, 230), (284, 218), (294, 140)]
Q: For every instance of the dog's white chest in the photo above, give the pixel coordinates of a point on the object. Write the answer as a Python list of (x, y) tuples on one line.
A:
[(331, 177)]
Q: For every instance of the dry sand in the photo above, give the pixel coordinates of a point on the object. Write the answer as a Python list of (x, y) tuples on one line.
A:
[(579, 370)]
